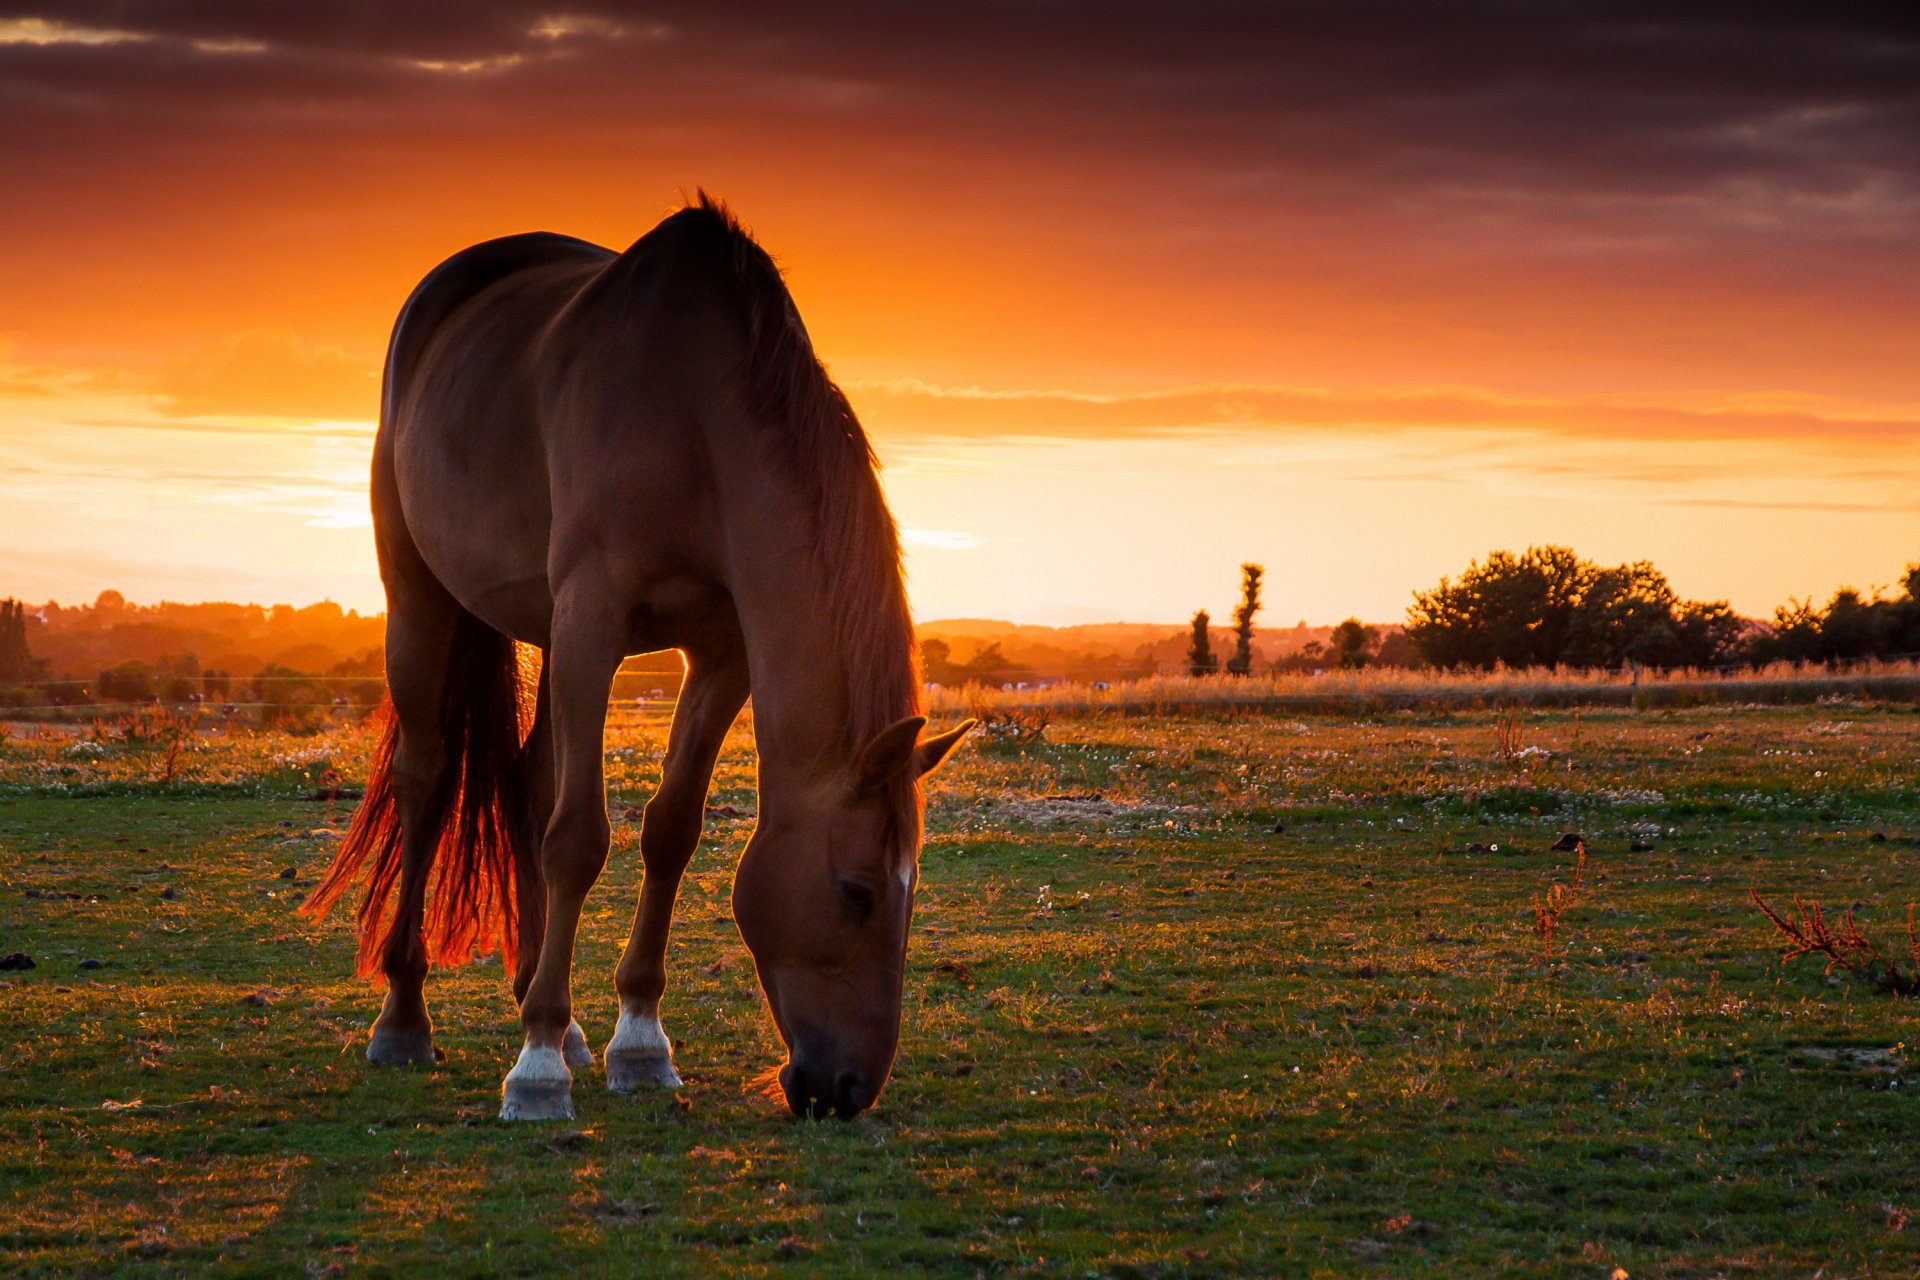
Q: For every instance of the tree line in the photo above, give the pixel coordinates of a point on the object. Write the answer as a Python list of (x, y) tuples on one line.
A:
[(1544, 607), (1548, 607)]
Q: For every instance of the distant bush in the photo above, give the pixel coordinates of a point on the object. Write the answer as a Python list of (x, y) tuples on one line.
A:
[(1549, 608)]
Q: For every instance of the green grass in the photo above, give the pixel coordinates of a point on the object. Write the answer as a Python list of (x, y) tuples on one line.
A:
[(1146, 1034)]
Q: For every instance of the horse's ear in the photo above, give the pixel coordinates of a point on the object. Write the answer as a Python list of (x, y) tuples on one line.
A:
[(889, 754), (931, 751)]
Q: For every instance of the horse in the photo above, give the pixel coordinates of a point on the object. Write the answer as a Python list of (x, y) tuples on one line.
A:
[(592, 455)]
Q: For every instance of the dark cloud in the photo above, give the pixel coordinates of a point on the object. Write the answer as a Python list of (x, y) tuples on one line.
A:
[(1456, 177), (1729, 103)]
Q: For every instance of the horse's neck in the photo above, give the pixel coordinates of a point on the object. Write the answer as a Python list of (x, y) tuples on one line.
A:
[(800, 701), (799, 679), (784, 592)]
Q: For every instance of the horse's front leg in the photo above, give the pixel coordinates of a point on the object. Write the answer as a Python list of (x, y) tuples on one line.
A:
[(584, 655), (640, 1053)]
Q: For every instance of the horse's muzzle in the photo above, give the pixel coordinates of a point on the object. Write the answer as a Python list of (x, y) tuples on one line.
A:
[(810, 1094)]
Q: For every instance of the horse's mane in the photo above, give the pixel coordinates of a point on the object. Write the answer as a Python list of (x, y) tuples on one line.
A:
[(828, 455)]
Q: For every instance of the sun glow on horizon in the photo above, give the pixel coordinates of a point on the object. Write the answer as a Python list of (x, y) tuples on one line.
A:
[(1118, 315)]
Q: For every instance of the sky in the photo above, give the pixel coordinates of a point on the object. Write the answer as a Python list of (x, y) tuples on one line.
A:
[(1125, 294)]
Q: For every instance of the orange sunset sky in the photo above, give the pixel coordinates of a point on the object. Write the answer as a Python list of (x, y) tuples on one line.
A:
[(1125, 294)]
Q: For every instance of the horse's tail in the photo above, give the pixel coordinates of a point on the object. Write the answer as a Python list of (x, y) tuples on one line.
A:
[(485, 859)]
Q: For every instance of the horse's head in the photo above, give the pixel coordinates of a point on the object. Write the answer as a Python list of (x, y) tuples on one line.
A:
[(823, 897)]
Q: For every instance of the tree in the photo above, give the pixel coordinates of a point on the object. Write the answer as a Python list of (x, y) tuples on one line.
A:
[(937, 664), (1548, 607), (1201, 660), (1852, 627), (1242, 661), (1848, 626), (989, 666), (1794, 635), (1709, 634), (17, 663), (128, 682), (1352, 644)]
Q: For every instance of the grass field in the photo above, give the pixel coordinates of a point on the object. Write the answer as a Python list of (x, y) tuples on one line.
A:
[(1203, 996)]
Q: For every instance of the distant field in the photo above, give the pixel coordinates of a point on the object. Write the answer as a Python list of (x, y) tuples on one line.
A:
[(1238, 994), (1376, 690)]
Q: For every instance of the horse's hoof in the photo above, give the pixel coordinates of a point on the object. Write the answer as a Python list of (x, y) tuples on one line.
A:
[(574, 1048), (538, 1088), (392, 1047), (537, 1100), (628, 1070)]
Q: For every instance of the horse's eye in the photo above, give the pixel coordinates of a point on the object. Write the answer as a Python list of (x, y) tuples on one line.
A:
[(856, 898)]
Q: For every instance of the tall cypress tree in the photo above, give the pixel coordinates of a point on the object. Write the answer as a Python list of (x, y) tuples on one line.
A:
[(1201, 660), (1242, 661), (17, 663)]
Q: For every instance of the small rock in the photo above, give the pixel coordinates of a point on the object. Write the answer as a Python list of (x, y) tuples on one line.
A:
[(606, 1206), (1567, 843), (91, 963), (16, 960)]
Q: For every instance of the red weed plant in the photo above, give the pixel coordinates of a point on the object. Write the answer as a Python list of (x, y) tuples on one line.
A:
[(1847, 949)]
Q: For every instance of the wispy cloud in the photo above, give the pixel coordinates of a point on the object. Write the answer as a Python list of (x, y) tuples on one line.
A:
[(51, 31), (908, 407), (943, 539)]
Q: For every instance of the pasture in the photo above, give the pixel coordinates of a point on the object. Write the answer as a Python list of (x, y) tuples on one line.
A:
[(1214, 995)]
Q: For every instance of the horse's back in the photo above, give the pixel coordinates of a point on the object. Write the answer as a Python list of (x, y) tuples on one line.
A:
[(548, 402), (459, 429), (464, 277)]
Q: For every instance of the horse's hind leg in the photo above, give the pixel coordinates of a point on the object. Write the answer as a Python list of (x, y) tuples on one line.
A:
[(532, 893), (421, 633), (640, 1053), (585, 653)]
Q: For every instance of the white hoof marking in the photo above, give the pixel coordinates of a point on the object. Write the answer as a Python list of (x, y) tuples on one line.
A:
[(538, 1088), (639, 1055)]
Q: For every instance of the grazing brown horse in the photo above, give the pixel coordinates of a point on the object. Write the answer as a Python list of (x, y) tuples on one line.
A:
[(598, 455)]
